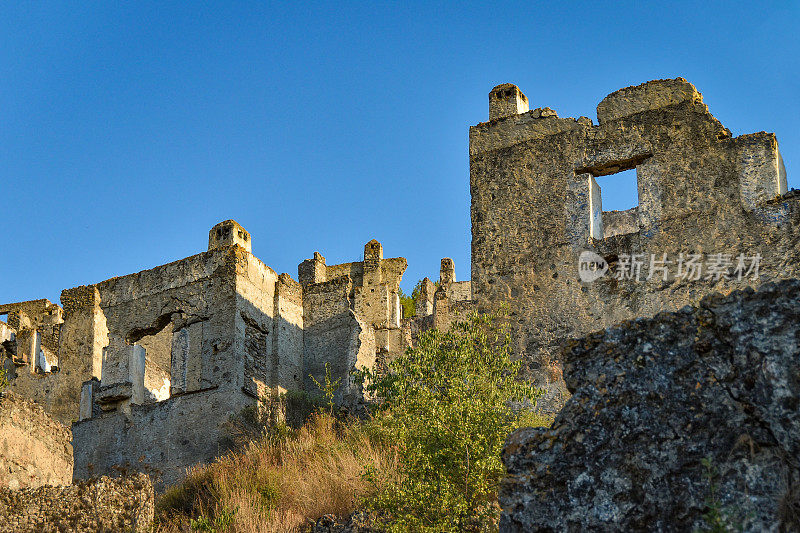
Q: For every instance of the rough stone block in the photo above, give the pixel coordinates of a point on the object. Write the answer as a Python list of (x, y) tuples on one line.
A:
[(651, 95), (654, 398), (35, 450)]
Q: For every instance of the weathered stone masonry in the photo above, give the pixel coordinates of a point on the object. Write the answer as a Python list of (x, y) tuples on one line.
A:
[(35, 450), (98, 506), (537, 204), (154, 364), (439, 306), (151, 366)]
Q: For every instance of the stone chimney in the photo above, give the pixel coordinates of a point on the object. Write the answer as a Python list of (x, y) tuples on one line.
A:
[(506, 100), (228, 233), (447, 272)]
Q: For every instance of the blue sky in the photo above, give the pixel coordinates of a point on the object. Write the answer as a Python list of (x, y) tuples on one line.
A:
[(127, 130)]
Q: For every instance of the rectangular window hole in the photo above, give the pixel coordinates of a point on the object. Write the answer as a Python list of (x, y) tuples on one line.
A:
[(614, 204), (620, 191)]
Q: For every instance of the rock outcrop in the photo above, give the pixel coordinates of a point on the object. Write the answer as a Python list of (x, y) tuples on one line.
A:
[(101, 505), (676, 423)]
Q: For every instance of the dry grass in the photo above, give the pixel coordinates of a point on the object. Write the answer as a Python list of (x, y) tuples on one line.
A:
[(281, 482)]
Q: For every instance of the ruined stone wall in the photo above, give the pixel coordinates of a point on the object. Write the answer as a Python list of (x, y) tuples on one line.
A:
[(355, 271), (195, 293), (288, 366), (8, 347), (162, 359), (220, 331), (460, 291), (161, 439), (186, 313), (31, 314), (35, 450), (375, 283), (99, 506), (70, 342), (270, 324), (423, 304), (255, 323), (352, 317), (58, 392), (333, 335), (536, 205), (37, 329), (653, 399), (438, 306)]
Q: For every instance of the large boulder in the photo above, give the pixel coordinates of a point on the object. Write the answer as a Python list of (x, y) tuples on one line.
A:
[(678, 422)]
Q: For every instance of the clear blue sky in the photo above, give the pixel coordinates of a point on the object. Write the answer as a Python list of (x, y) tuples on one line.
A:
[(128, 129)]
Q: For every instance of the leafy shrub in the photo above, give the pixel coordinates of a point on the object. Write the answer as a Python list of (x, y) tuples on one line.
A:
[(220, 523), (447, 405), (328, 389)]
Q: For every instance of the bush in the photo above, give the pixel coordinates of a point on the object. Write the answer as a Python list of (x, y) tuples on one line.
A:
[(428, 460), (447, 405)]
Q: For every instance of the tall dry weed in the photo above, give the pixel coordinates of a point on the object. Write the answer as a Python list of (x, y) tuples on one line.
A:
[(281, 482)]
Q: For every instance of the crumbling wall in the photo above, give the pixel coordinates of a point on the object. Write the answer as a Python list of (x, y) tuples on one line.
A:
[(352, 318), (333, 335), (189, 313), (220, 331), (288, 366), (439, 305), (37, 321), (652, 401), (98, 506), (71, 341), (40, 361), (8, 348), (35, 450), (535, 183), (255, 323), (162, 439), (270, 323), (152, 309)]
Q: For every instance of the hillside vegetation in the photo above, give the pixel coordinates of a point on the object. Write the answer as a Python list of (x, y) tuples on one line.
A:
[(426, 459)]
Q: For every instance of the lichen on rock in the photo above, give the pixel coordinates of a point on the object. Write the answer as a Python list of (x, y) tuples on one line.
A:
[(671, 418)]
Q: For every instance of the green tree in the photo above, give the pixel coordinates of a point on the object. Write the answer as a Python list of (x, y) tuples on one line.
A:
[(448, 407), (407, 302)]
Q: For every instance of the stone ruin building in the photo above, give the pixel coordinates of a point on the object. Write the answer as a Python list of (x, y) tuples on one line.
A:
[(138, 360), (536, 186), (439, 304), (709, 377)]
